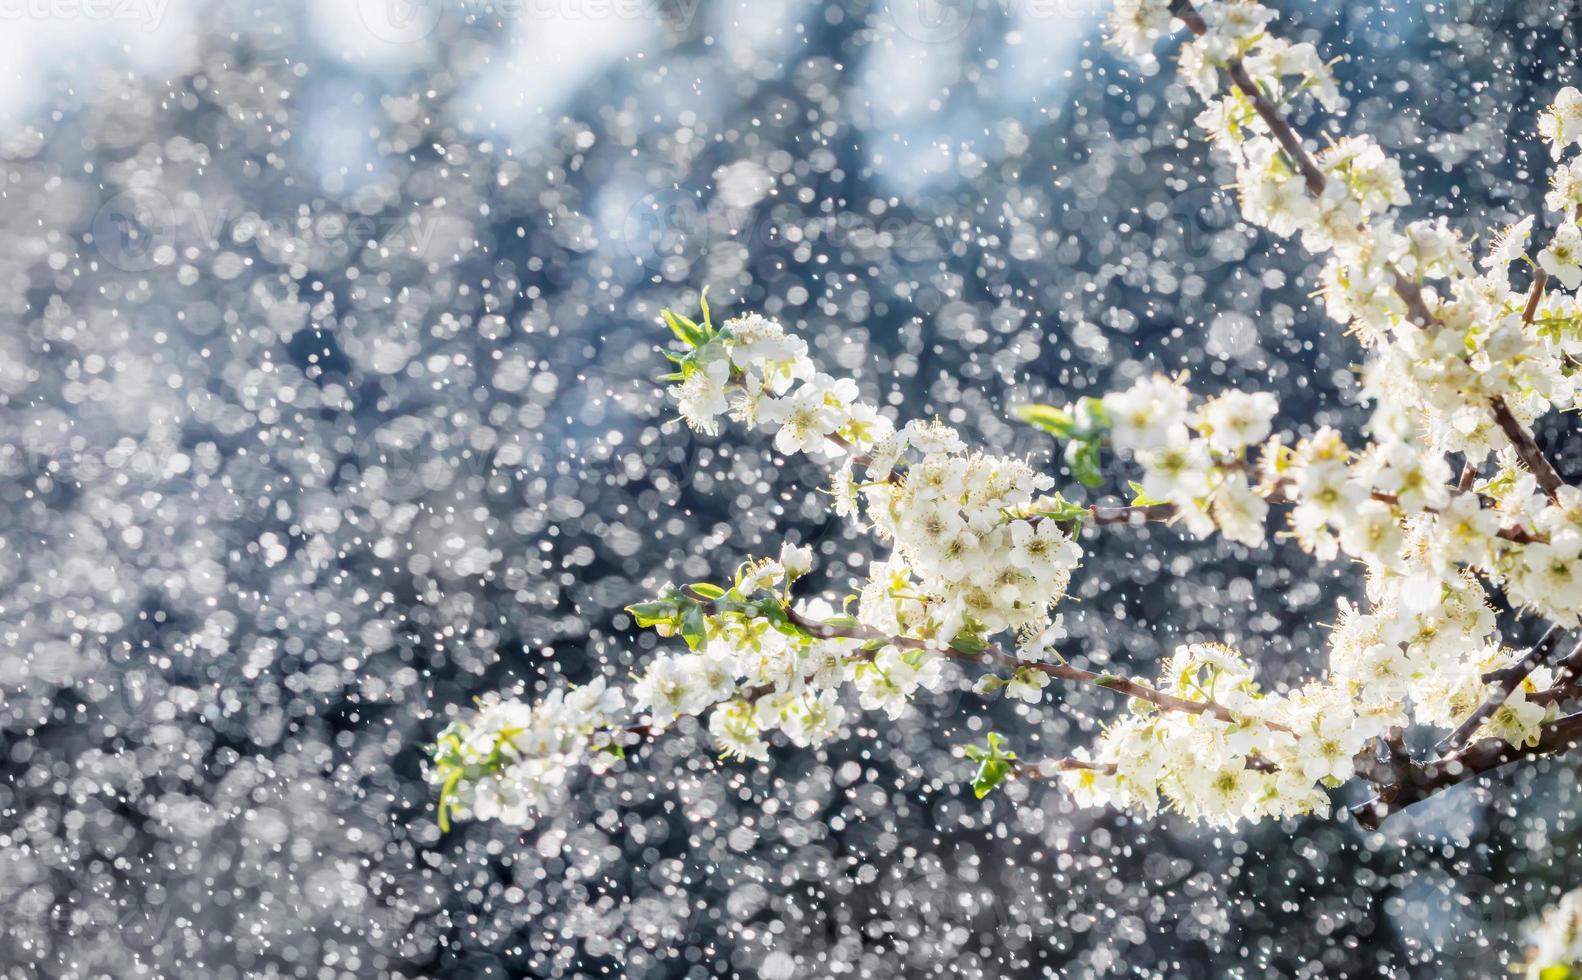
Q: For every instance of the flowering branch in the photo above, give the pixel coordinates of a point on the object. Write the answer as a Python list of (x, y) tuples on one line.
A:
[(1410, 292), (980, 545), (992, 655), (1271, 116)]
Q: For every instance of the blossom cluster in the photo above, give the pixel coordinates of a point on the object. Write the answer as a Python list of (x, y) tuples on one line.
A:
[(512, 758), (978, 546), (1196, 460), (751, 668), (1216, 769)]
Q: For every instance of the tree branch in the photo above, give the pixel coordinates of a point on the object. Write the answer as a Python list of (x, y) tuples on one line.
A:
[(1424, 779), (1527, 449), (1505, 680)]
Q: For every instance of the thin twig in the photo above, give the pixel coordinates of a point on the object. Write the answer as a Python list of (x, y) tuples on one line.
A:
[(860, 459), (1134, 514), (1565, 682), (1165, 513), (1534, 296), (1469, 476), (1038, 770)]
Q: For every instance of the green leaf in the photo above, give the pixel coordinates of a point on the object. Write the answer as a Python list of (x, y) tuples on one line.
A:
[(769, 608), (686, 331), (965, 642), (991, 773), (1055, 421), (1082, 458), (703, 301), (1064, 511), (707, 590), (652, 613), (694, 626), (1499, 485), (994, 764), (772, 611), (1559, 971)]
